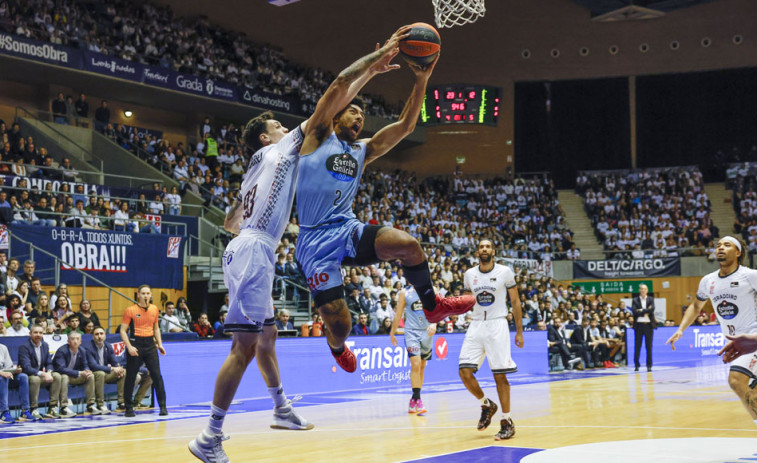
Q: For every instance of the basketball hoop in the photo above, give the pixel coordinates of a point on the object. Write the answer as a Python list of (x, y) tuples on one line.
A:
[(450, 13)]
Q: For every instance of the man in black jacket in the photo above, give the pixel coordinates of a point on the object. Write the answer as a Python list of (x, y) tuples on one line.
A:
[(644, 324), (558, 344), (103, 363)]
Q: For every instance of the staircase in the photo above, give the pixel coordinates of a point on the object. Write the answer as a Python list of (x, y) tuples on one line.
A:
[(578, 222), (722, 213)]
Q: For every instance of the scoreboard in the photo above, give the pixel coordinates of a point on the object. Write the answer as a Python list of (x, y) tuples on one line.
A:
[(461, 104)]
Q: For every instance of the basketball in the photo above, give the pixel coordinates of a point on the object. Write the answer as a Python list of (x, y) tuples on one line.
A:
[(422, 45)]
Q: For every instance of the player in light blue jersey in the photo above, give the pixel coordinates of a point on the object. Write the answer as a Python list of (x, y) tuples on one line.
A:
[(418, 335), (333, 159)]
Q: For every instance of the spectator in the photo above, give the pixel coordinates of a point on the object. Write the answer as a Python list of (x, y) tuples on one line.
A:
[(61, 291), (173, 201), (41, 309), (17, 327), (102, 116), (28, 275), (86, 314), (559, 344), (156, 206), (386, 326), (361, 328), (35, 360), (70, 110), (82, 106), (581, 341), (32, 298), (12, 377), (169, 322), (182, 312), (218, 326), (73, 325), (72, 364), (59, 109), (283, 323), (121, 218), (106, 369), (203, 327)]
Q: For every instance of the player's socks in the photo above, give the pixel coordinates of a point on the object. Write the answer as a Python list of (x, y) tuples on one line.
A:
[(278, 395), (420, 277), (215, 423), (484, 401), (416, 393), (337, 352), (755, 422), (505, 416)]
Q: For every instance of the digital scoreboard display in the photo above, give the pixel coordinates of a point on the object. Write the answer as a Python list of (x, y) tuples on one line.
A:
[(461, 104)]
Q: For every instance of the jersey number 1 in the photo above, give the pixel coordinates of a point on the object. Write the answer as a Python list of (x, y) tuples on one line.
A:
[(249, 202)]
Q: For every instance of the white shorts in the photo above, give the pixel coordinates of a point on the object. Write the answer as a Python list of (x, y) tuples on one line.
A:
[(746, 364), (490, 338), (248, 270)]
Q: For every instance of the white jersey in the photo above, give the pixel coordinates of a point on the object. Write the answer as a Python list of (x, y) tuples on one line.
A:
[(734, 298), (268, 187), (490, 290)]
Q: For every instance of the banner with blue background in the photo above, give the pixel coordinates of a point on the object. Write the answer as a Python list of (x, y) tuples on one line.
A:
[(115, 258)]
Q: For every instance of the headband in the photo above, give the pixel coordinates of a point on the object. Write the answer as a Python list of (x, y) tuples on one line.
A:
[(733, 241)]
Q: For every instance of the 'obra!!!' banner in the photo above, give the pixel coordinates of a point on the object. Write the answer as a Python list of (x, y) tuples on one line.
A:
[(117, 259), (627, 268)]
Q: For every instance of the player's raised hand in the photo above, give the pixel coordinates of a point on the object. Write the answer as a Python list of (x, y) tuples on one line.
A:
[(672, 340), (389, 51), (423, 71), (738, 346)]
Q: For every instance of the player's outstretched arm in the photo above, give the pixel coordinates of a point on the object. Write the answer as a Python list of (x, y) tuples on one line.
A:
[(388, 137), (346, 87), (398, 311), (517, 315), (738, 346), (688, 318)]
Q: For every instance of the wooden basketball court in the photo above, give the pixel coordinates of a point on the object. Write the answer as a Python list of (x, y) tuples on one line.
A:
[(560, 410)]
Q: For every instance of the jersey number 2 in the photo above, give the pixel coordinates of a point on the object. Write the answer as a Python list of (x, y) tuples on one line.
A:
[(338, 194), (249, 202)]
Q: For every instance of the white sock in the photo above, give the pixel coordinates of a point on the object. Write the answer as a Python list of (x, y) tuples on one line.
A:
[(215, 423), (484, 401), (278, 395), (755, 422), (505, 416)]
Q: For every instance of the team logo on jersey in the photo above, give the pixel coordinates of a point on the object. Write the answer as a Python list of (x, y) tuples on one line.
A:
[(734, 284), (492, 279), (417, 306), (342, 167), (227, 257), (485, 298), (727, 310), (712, 288)]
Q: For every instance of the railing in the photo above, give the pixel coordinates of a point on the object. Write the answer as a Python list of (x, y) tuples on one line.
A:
[(84, 276), (171, 228), (283, 284), (656, 253)]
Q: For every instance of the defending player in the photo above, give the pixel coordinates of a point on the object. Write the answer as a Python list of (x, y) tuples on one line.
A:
[(259, 216), (333, 161), (418, 335), (489, 335), (733, 292)]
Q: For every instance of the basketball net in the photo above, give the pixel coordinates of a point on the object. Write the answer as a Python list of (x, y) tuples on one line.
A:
[(450, 13)]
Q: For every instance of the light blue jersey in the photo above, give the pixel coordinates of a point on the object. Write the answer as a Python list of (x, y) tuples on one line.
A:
[(414, 317), (328, 182)]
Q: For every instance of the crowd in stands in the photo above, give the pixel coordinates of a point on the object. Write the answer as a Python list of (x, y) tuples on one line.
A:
[(68, 206), (657, 212), (151, 34)]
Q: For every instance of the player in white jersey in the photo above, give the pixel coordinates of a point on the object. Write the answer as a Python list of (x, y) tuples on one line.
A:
[(259, 216), (489, 335), (733, 292), (418, 335)]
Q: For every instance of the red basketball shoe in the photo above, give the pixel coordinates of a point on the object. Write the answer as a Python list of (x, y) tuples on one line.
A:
[(347, 360), (446, 306)]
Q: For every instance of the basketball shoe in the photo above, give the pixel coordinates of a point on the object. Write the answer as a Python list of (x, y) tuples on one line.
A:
[(411, 406), (506, 431), (419, 408), (487, 412), (286, 418), (209, 448), (346, 360), (446, 306)]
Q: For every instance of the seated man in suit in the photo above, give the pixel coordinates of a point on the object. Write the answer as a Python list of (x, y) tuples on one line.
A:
[(559, 344), (283, 323), (102, 360), (35, 360), (580, 340), (71, 362), (11, 377)]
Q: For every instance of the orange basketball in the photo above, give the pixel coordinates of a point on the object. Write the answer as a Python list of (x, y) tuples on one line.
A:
[(422, 45)]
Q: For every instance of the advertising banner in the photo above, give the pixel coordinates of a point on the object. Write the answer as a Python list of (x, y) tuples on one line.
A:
[(613, 286), (275, 102), (698, 343), (40, 51), (115, 258), (114, 67), (309, 368), (626, 268), (190, 84)]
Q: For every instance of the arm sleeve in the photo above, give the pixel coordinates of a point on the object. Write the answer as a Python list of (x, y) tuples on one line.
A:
[(702, 291)]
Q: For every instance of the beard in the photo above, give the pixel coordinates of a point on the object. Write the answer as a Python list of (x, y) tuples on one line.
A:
[(486, 259), (720, 259), (18, 326)]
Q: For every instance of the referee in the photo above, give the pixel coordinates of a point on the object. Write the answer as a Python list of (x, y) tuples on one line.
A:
[(142, 343)]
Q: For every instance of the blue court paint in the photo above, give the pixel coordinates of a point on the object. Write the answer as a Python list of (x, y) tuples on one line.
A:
[(491, 454)]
